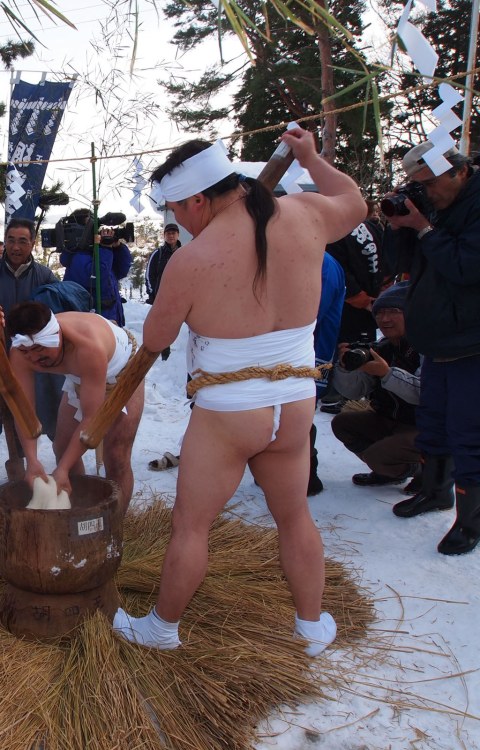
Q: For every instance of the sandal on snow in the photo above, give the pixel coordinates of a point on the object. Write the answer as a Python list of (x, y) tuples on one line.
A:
[(168, 461)]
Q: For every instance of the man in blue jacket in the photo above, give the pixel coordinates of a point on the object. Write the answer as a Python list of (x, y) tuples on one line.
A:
[(443, 323), (115, 261)]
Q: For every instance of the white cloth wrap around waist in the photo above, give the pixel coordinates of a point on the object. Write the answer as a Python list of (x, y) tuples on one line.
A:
[(120, 357), (293, 346)]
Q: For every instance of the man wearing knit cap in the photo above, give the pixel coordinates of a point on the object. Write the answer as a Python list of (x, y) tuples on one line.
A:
[(442, 320), (382, 436)]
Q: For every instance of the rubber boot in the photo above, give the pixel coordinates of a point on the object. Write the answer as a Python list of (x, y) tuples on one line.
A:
[(437, 489), (465, 532)]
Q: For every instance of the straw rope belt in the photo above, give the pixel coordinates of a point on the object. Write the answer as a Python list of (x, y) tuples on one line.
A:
[(110, 386), (280, 372)]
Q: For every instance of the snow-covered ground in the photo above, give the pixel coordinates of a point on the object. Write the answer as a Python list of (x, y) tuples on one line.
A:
[(428, 605)]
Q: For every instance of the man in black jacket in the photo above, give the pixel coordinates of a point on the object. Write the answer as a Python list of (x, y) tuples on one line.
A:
[(159, 259), (443, 323), (156, 266)]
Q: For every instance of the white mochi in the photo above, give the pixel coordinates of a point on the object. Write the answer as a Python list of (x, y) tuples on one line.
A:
[(45, 496)]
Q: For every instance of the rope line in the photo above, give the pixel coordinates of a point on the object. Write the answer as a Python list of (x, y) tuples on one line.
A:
[(280, 372), (266, 129)]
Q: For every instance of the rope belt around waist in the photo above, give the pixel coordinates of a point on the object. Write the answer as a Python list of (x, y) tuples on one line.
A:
[(280, 372), (110, 386)]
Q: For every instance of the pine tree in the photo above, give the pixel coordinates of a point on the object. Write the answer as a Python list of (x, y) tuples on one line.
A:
[(448, 31), (283, 85)]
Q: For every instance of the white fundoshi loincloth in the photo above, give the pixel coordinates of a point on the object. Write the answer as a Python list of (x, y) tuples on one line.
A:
[(293, 346), (121, 355)]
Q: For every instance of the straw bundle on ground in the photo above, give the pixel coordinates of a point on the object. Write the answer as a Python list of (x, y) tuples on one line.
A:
[(237, 663)]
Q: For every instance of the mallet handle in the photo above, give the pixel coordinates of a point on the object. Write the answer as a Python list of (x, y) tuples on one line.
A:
[(126, 385), (15, 398)]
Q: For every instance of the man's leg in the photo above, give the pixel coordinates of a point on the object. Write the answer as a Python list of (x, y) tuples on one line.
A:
[(436, 492), (66, 426), (359, 429), (118, 444), (214, 454), (395, 455), (463, 428), (282, 472)]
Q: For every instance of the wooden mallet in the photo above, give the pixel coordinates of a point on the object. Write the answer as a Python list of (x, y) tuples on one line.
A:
[(136, 370), (14, 396)]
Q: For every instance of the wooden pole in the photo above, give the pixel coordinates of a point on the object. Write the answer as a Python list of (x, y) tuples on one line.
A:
[(467, 104), (14, 396)]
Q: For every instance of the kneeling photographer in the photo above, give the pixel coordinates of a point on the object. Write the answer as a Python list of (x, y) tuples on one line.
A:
[(387, 373)]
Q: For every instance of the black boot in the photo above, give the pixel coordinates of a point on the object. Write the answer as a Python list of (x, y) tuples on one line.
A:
[(437, 489), (465, 532), (315, 484)]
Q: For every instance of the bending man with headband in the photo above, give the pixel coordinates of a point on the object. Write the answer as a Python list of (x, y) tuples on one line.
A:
[(90, 351), (248, 286)]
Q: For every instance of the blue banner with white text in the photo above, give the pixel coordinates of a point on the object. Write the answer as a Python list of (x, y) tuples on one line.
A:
[(35, 114)]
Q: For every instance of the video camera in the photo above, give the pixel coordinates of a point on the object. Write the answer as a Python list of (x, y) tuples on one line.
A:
[(358, 352), (74, 233), (394, 205)]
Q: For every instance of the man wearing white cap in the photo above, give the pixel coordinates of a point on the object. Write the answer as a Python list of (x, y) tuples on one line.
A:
[(442, 321), (248, 286)]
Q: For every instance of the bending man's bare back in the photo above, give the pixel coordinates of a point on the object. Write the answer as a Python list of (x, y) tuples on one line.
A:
[(90, 351), (248, 286)]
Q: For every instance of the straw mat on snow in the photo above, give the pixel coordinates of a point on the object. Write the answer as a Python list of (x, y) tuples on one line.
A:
[(238, 662)]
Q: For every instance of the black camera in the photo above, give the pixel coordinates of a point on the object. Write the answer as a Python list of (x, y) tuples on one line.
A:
[(358, 353), (74, 233), (394, 205)]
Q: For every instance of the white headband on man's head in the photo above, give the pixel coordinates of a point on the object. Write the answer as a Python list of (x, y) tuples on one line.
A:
[(49, 336), (194, 175)]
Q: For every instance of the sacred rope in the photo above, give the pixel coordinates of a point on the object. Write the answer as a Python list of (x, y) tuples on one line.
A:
[(280, 372)]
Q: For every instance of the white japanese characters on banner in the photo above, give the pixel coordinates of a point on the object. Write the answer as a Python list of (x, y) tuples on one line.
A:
[(35, 114)]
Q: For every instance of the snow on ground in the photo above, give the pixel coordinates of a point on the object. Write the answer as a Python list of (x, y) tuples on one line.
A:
[(428, 605)]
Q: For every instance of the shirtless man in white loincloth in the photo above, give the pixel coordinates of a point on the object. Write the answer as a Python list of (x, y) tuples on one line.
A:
[(248, 297), (90, 351)]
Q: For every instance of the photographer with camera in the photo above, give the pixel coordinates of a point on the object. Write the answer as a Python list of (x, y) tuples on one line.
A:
[(388, 374), (115, 260), (442, 318)]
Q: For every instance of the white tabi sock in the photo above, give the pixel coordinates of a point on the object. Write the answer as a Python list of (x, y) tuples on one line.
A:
[(147, 631), (320, 634)]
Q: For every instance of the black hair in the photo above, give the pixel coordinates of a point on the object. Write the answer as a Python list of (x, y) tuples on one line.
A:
[(260, 201), (21, 224), (458, 161), (27, 318)]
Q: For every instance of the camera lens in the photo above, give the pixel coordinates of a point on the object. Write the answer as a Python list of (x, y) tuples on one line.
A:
[(355, 358), (394, 206)]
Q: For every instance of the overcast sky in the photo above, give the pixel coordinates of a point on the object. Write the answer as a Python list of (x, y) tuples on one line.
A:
[(67, 50)]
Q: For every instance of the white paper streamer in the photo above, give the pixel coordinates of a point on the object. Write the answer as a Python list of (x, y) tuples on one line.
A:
[(425, 60), (139, 183)]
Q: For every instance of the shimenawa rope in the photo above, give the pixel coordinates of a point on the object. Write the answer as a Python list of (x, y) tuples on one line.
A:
[(280, 372)]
